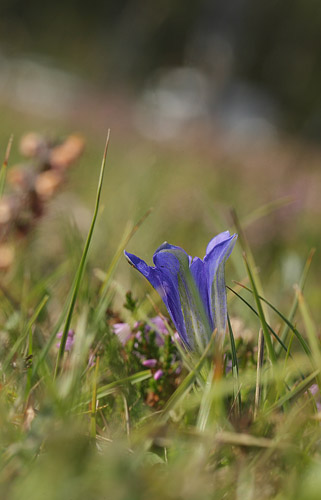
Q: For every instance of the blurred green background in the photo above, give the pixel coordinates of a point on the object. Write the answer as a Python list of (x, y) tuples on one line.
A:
[(211, 105)]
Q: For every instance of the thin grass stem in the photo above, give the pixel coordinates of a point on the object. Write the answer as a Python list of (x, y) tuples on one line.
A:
[(82, 264)]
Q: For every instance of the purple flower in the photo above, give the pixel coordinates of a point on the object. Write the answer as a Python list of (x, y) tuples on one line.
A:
[(315, 391), (177, 338), (123, 332), (193, 290), (69, 342), (158, 374), (160, 325), (150, 363), (138, 335), (160, 329), (178, 370)]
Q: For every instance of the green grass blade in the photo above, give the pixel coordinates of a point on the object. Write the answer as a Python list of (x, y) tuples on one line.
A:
[(266, 332), (44, 353), (82, 263), (275, 335), (104, 296), (25, 333), (291, 327), (286, 329), (235, 368), (300, 389), (260, 359), (265, 210), (29, 368), (119, 252), (114, 386), (311, 331), (94, 403), (206, 403), (250, 262), (3, 171), (127, 419)]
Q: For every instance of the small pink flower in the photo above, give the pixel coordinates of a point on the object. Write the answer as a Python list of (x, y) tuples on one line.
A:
[(177, 338), (160, 329), (159, 324), (315, 391), (123, 332), (158, 374), (69, 342), (150, 363), (138, 335)]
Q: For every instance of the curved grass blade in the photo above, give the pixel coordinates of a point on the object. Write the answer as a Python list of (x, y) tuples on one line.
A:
[(12, 302), (235, 368), (250, 262), (94, 403), (25, 333), (43, 354), (114, 386), (266, 332), (311, 331), (266, 209), (104, 296), (119, 252), (82, 264), (286, 329), (275, 335), (296, 392), (258, 387), (291, 327)]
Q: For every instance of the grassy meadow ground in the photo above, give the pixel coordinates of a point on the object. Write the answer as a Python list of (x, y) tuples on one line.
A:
[(97, 424)]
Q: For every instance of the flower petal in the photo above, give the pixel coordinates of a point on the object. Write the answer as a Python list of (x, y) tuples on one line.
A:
[(165, 283), (168, 267), (174, 266), (168, 246), (219, 238), (142, 267), (123, 332), (215, 269), (198, 270)]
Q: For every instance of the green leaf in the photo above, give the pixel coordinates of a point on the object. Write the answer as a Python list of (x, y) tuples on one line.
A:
[(3, 171), (82, 264), (235, 368), (311, 331), (294, 330), (296, 392), (254, 311), (284, 333), (25, 333), (114, 386), (267, 336)]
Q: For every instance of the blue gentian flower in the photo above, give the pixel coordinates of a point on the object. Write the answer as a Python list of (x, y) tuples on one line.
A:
[(193, 290)]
